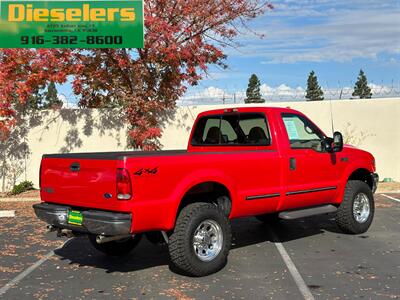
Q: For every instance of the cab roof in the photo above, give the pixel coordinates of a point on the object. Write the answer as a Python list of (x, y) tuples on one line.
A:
[(255, 109)]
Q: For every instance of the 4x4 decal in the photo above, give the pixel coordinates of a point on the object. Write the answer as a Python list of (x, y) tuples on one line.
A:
[(143, 171)]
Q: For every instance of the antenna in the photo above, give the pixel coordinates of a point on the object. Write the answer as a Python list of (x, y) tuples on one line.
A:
[(330, 106), (333, 127)]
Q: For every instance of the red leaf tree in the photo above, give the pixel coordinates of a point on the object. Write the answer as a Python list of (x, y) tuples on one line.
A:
[(181, 39)]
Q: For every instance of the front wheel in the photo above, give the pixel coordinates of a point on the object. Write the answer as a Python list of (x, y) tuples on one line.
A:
[(116, 248), (201, 240), (356, 212)]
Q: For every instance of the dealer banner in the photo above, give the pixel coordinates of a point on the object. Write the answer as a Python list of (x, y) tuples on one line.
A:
[(71, 24)]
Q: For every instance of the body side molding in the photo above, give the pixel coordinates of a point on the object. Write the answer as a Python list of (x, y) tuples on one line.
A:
[(266, 196), (328, 188)]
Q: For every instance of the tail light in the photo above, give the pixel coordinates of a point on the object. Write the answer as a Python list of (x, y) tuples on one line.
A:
[(124, 186)]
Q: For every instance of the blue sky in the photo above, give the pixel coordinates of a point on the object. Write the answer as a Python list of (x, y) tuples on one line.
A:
[(333, 38)]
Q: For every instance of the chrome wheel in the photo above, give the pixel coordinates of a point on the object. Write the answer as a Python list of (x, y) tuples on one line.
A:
[(208, 240), (361, 208)]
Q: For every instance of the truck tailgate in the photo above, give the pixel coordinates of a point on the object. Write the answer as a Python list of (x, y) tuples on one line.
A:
[(82, 182)]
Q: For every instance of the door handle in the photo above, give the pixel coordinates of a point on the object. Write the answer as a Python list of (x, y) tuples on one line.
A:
[(292, 164)]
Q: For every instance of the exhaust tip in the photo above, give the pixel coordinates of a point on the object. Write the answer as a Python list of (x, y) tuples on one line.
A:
[(101, 239)]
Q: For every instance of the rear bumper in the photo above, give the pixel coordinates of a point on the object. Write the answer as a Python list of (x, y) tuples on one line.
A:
[(94, 221), (375, 180)]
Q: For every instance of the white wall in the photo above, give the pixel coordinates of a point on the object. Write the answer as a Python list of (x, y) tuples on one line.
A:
[(373, 125)]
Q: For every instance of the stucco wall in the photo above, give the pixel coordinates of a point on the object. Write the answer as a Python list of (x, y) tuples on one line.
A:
[(373, 125)]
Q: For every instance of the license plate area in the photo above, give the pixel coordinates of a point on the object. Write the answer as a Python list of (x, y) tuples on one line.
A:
[(75, 217)]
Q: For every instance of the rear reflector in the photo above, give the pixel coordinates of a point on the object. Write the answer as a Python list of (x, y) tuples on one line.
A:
[(124, 187)]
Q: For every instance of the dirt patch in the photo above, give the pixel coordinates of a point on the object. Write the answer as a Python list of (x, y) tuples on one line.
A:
[(27, 194), (384, 187), (382, 202), (22, 209)]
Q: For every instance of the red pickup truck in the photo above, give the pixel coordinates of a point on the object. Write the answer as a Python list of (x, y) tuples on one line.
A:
[(272, 163)]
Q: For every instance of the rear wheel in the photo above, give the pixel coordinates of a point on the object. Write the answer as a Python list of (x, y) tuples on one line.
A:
[(356, 212), (116, 248), (201, 240)]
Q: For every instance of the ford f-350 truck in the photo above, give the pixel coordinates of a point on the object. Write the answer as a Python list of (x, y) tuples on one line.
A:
[(272, 163)]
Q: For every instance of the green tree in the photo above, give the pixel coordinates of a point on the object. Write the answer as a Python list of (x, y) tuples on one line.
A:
[(253, 94), (51, 97), (361, 88), (35, 100), (314, 91)]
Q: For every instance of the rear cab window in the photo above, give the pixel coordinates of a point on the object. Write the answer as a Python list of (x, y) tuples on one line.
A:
[(238, 129)]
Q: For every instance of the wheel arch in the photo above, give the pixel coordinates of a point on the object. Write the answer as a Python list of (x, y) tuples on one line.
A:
[(355, 173), (208, 191), (204, 183), (361, 174)]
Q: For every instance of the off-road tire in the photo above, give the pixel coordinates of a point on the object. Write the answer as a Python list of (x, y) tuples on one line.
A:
[(344, 215), (180, 245), (116, 248), (269, 218)]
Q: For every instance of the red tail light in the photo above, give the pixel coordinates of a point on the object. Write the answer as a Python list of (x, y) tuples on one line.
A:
[(124, 187)]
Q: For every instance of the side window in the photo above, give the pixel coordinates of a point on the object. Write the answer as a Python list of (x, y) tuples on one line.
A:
[(302, 133), (246, 129)]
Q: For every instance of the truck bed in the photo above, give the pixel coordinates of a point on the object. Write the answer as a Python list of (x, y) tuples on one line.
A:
[(88, 180)]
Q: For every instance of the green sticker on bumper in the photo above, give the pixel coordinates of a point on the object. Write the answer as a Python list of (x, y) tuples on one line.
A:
[(75, 217)]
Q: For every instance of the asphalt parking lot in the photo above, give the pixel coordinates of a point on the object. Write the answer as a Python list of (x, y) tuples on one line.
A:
[(332, 265)]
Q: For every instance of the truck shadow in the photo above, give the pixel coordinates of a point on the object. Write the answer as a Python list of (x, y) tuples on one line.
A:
[(246, 232)]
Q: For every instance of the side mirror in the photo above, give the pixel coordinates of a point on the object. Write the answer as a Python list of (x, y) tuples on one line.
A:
[(337, 144)]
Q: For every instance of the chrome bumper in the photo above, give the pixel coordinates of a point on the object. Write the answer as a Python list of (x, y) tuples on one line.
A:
[(94, 221)]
